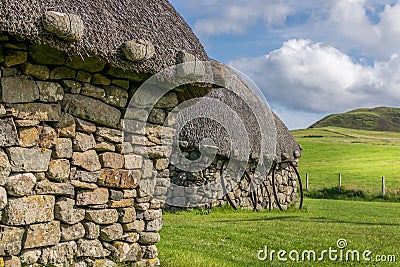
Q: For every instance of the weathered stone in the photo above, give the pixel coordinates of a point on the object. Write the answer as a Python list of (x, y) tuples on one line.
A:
[(105, 146), (150, 252), (152, 215), (136, 114), (89, 177), (60, 189), (149, 238), (125, 74), (99, 79), (9, 72), (90, 64), (124, 148), (109, 134), (91, 109), (92, 230), (85, 126), (111, 232), (92, 197), (28, 210), (14, 57), (59, 73), (105, 216), (83, 142), (72, 232), (127, 202), (67, 213), (116, 96), (29, 159), (65, 25), (30, 256), (93, 91), (121, 83), (66, 126), (135, 226), (62, 148), (130, 193), (11, 261), (133, 162), (53, 56), (41, 235), (37, 71), (154, 225), (72, 87), (18, 89), (162, 164), (26, 123), (119, 178), (142, 206), (3, 198), (112, 160), (83, 185), (130, 237), (87, 160), (157, 116), (91, 248), (59, 170), (169, 100), (8, 133), (127, 215), (20, 184), (50, 92), (83, 76), (10, 240), (128, 252), (139, 50), (16, 46), (47, 136), (36, 111), (116, 194), (62, 254), (28, 137)]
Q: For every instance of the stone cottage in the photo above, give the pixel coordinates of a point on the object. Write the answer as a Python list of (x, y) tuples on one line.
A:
[(80, 183)]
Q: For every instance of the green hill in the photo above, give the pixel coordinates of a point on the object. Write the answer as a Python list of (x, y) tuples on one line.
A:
[(371, 119)]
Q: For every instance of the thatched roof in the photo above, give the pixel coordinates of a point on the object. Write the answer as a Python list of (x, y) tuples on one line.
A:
[(108, 24)]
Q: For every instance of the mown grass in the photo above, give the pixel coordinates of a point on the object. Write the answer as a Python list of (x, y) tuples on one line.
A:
[(225, 237), (362, 157)]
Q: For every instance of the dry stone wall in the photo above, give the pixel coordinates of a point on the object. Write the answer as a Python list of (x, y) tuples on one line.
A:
[(69, 186)]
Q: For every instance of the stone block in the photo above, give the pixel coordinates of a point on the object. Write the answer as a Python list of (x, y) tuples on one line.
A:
[(149, 238), (112, 160), (36, 111), (47, 136), (18, 89), (152, 214), (11, 261), (5, 167), (20, 184), (119, 178), (162, 164), (83, 185), (14, 57), (37, 71), (92, 197), (139, 50), (3, 198), (111, 232), (135, 226), (99, 79), (10, 240), (66, 126), (126, 74), (89, 177), (116, 96), (116, 194), (93, 91), (29, 210), (60, 189), (126, 202), (91, 109), (128, 252), (130, 237), (105, 146), (83, 142), (72, 232), (46, 55), (29, 159), (87, 160), (90, 64), (30, 256), (83, 76), (127, 215), (42, 235), (92, 230), (59, 73), (104, 216), (28, 137), (111, 135), (66, 212), (62, 254), (85, 126), (154, 225), (62, 148), (50, 92), (91, 248), (121, 83), (133, 162), (59, 170), (72, 87)]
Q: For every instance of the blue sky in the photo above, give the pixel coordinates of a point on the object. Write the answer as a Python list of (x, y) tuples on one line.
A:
[(310, 58)]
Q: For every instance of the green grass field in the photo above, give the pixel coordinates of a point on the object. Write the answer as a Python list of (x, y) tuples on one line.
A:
[(225, 237), (362, 157)]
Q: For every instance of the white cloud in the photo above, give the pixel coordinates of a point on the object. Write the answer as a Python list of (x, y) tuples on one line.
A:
[(315, 77), (236, 16)]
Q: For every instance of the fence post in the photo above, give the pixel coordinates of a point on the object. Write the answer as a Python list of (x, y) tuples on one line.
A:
[(383, 187), (339, 180), (306, 181)]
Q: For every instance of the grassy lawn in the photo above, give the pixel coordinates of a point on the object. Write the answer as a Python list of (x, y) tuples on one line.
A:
[(232, 238), (362, 157)]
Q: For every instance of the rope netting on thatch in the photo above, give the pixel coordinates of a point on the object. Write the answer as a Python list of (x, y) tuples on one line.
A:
[(108, 24)]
